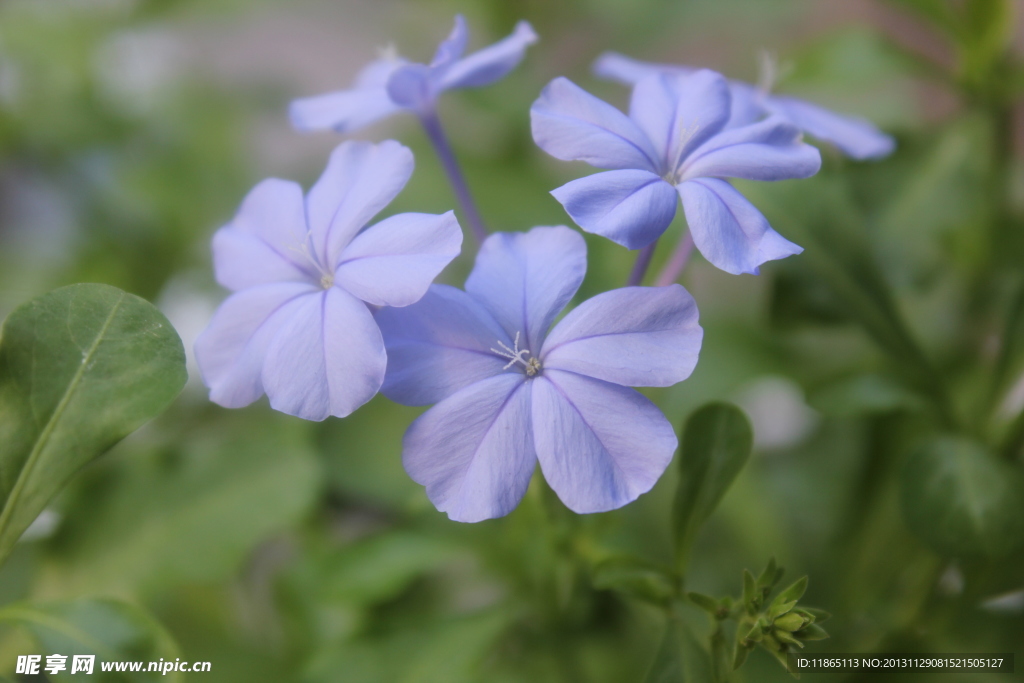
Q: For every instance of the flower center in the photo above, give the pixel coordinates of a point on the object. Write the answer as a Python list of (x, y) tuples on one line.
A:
[(327, 281), (681, 136), (531, 365)]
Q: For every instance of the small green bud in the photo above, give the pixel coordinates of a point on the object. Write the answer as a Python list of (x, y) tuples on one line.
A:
[(812, 632), (790, 622), (819, 615)]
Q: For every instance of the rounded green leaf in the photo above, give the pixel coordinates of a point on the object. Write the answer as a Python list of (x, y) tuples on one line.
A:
[(80, 368), (717, 440), (962, 500)]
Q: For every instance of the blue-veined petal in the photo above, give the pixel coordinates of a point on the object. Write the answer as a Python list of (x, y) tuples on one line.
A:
[(728, 230), (628, 71), (573, 125), (768, 150), (393, 262), (526, 279), (630, 207), (634, 336), (439, 345), (349, 110), (328, 358), (491, 63), (267, 240), (452, 47), (747, 104), (474, 451), (360, 179), (680, 112), (855, 136), (600, 445), (231, 350)]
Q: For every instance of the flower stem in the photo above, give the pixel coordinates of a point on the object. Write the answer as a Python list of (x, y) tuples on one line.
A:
[(676, 264), (432, 125), (643, 260)]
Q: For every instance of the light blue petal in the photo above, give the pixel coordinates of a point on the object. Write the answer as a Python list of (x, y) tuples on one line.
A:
[(600, 445), (678, 113), (360, 179), (629, 71), (491, 63), (439, 345), (526, 279), (327, 358), (264, 241), (348, 110), (393, 262), (635, 336), (474, 450), (452, 47), (769, 150), (573, 125), (231, 350), (728, 230), (632, 208), (748, 104), (856, 137)]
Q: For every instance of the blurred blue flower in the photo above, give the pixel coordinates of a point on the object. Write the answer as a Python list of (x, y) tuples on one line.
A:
[(303, 270), (392, 83), (854, 136), (675, 140), (508, 393)]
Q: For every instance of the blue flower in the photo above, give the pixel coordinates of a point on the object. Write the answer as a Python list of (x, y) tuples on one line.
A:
[(393, 84), (674, 140), (303, 270), (855, 137), (509, 393)]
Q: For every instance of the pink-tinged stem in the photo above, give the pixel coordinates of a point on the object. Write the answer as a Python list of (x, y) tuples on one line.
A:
[(680, 257), (643, 260), (432, 125)]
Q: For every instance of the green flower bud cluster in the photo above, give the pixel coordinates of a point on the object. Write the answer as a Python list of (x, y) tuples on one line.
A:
[(778, 626)]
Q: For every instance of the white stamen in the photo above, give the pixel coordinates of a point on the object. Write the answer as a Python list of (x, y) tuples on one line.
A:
[(769, 72), (327, 281), (515, 355), (388, 53)]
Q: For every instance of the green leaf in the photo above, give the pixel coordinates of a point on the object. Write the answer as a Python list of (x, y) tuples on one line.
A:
[(636, 578), (717, 440), (80, 368), (680, 658), (751, 596), (793, 593), (962, 500), (109, 629)]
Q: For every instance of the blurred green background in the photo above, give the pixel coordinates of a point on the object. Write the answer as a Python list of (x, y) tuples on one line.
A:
[(281, 550)]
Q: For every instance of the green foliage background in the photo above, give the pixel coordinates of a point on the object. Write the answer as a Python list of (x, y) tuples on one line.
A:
[(881, 368)]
